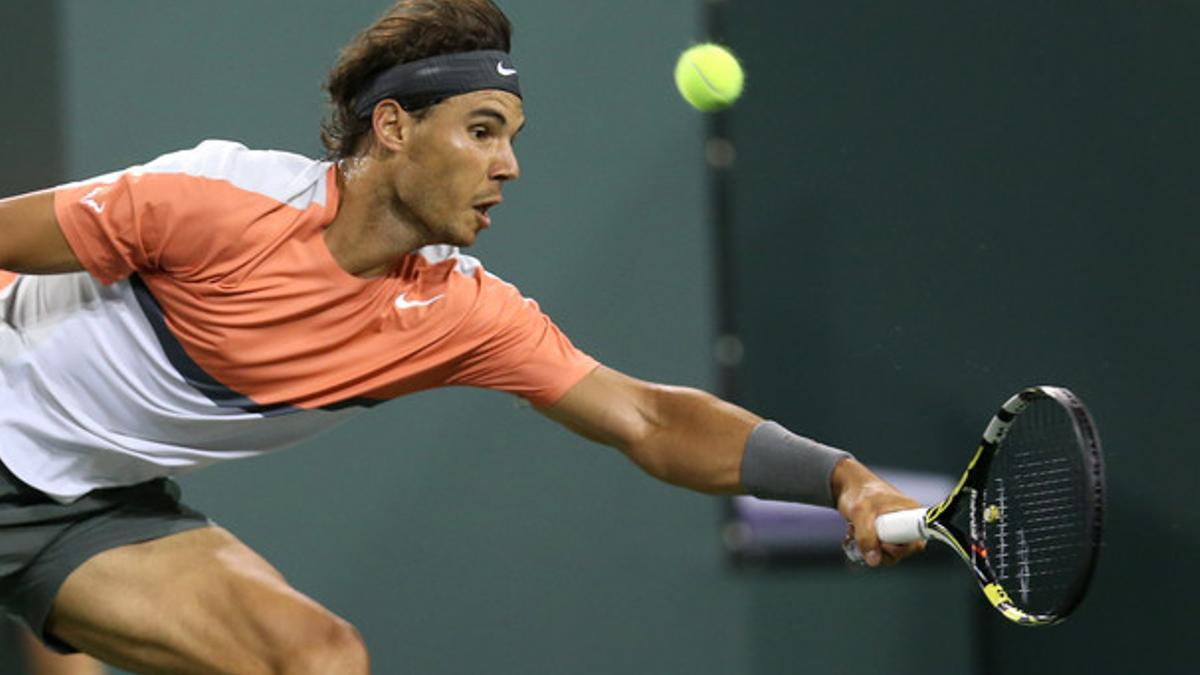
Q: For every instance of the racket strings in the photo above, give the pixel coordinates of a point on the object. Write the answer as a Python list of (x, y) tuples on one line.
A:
[(1037, 529)]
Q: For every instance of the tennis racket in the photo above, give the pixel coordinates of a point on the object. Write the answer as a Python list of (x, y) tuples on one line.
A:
[(1026, 515)]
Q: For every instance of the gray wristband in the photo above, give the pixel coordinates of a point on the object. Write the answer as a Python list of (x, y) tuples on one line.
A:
[(778, 464)]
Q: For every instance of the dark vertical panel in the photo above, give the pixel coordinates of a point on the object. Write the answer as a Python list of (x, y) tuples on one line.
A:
[(949, 201), (31, 141), (720, 156)]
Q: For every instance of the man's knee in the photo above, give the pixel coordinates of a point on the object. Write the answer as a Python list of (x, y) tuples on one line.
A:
[(323, 645)]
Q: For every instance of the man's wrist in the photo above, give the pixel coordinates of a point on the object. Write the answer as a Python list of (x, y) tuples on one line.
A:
[(844, 476), (778, 464)]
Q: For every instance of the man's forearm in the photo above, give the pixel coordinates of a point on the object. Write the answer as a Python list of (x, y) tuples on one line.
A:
[(694, 440), (701, 442)]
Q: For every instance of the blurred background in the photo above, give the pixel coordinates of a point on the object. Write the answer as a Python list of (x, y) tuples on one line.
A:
[(915, 210)]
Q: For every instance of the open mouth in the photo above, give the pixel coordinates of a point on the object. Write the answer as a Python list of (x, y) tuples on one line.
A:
[(482, 211)]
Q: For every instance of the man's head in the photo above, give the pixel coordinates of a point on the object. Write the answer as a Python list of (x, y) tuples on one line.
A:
[(412, 30), (426, 109), (441, 174)]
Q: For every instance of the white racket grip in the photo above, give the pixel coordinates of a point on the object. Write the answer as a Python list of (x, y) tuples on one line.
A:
[(902, 527)]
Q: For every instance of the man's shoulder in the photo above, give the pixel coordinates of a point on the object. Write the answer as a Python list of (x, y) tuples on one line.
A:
[(442, 260), (219, 158), (441, 253), (278, 174)]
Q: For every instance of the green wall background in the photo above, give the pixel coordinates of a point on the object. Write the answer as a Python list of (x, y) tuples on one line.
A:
[(31, 116), (956, 200)]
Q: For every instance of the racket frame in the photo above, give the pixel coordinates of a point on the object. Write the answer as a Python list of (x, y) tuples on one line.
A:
[(937, 523)]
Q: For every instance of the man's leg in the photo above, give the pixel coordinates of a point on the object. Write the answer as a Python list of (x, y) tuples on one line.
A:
[(199, 602)]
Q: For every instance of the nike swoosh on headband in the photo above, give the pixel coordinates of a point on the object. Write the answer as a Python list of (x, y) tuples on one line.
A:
[(417, 84)]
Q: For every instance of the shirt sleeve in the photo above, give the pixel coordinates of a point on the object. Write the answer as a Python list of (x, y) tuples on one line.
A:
[(524, 353), (171, 215), (101, 220), (131, 222)]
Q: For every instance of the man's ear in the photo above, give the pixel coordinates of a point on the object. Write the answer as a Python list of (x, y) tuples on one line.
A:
[(391, 125)]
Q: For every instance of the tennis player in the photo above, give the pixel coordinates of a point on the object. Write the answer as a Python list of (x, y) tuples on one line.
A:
[(221, 302)]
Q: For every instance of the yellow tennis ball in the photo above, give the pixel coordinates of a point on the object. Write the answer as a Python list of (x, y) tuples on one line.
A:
[(709, 77)]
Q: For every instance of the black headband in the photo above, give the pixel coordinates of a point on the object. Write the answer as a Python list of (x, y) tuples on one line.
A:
[(417, 84)]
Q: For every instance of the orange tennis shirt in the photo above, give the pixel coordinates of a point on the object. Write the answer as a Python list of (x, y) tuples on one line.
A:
[(213, 323)]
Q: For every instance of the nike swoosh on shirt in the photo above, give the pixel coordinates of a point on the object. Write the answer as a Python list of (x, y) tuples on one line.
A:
[(404, 303), (90, 200), (506, 72)]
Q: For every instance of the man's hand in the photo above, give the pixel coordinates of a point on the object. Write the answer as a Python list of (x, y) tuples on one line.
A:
[(861, 497)]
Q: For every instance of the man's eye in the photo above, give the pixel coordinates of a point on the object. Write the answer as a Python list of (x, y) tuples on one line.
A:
[(479, 132)]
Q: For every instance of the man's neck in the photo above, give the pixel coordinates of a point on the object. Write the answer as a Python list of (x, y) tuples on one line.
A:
[(368, 237)]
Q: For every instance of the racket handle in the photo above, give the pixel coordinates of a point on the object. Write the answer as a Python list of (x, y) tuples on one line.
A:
[(902, 527), (897, 527)]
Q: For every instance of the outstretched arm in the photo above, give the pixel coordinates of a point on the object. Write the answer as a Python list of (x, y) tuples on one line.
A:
[(31, 241), (695, 440)]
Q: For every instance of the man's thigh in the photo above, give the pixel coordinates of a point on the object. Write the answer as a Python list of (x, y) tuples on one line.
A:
[(195, 602), (42, 661), (43, 541)]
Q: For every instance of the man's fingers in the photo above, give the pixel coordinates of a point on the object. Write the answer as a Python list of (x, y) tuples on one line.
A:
[(868, 543), (894, 553), (875, 552), (862, 498)]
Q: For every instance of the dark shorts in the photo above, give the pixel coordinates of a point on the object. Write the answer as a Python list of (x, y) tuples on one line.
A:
[(43, 541)]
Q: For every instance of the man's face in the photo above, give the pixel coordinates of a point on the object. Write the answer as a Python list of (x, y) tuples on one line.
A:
[(455, 161)]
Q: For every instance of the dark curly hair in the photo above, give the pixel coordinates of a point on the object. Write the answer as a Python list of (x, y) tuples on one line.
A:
[(411, 30)]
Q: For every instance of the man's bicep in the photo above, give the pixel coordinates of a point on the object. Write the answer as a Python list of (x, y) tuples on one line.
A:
[(31, 240), (606, 406)]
